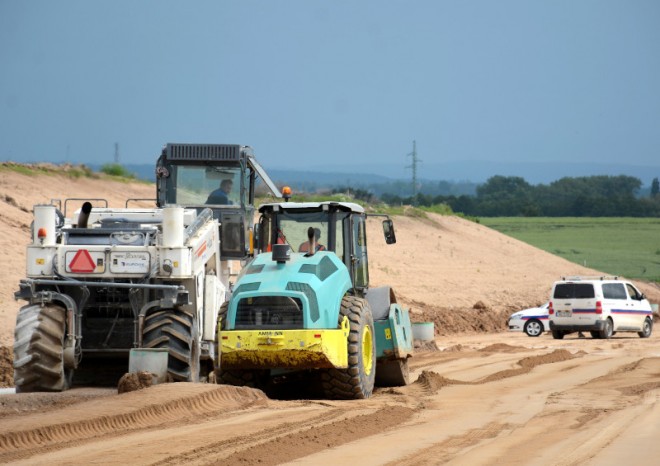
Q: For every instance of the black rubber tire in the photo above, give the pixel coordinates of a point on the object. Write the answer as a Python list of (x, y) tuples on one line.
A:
[(222, 324), (557, 334), (357, 380), (533, 328), (647, 328), (177, 331), (594, 334), (392, 373), (606, 333), (39, 349)]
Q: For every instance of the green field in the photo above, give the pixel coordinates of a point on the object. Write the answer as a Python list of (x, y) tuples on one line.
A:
[(619, 246)]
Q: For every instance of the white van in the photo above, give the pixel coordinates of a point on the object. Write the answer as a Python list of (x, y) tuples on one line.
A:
[(599, 305)]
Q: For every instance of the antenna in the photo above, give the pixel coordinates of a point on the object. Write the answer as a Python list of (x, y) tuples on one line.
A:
[(414, 171), (116, 153)]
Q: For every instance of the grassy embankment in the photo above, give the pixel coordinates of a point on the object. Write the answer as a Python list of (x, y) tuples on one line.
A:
[(628, 247)]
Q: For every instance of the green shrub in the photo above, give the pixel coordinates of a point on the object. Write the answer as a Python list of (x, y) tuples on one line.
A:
[(114, 169)]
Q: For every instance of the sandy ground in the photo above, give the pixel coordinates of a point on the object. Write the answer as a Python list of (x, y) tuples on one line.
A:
[(479, 400), (485, 396)]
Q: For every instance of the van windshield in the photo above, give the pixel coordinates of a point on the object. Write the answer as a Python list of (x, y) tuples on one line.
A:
[(574, 291)]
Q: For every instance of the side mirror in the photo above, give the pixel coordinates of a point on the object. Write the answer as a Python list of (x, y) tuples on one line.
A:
[(388, 231)]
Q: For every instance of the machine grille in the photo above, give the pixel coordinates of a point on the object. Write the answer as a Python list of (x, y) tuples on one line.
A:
[(311, 297), (230, 152), (269, 313)]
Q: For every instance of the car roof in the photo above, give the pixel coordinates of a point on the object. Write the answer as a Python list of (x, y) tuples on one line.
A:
[(591, 280)]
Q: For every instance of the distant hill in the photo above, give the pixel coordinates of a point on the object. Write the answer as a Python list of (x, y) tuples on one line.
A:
[(478, 171), (458, 177)]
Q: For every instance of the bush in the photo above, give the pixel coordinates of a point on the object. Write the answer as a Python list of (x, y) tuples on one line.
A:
[(114, 169)]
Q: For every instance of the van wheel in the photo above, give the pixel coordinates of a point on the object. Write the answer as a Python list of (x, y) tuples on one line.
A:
[(594, 334), (557, 334), (606, 333), (647, 329), (533, 328)]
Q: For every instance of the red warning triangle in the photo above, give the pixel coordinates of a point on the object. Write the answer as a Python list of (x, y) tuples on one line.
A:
[(82, 262)]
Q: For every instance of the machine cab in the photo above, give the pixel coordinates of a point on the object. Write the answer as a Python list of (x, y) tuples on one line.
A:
[(221, 177), (339, 227)]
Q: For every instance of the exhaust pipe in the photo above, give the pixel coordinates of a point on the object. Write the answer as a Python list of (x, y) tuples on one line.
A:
[(83, 217), (312, 243)]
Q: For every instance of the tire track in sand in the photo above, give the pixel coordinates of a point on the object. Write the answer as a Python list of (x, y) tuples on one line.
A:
[(149, 408), (291, 441)]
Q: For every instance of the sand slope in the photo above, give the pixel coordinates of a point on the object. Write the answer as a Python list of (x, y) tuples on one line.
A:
[(483, 396)]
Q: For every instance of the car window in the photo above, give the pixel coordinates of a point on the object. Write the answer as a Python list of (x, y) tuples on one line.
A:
[(614, 291), (574, 291), (632, 291)]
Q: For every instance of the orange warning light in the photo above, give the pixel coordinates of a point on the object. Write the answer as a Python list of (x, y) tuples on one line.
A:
[(286, 193)]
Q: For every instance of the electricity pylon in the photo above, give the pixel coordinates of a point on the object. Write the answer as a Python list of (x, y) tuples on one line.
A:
[(415, 160)]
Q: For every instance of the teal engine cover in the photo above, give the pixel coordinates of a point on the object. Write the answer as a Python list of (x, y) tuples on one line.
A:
[(304, 292)]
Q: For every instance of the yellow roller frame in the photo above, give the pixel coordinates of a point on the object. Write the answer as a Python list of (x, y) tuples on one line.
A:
[(287, 349)]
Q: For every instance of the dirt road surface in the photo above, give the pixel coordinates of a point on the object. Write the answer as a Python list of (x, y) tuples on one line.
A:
[(480, 396), (479, 400)]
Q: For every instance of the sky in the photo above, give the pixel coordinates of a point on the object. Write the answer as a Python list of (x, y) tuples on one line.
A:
[(343, 85)]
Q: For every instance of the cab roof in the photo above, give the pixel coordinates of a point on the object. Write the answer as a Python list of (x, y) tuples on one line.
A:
[(312, 206)]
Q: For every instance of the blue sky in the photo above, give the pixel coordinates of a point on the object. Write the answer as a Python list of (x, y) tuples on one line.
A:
[(339, 85)]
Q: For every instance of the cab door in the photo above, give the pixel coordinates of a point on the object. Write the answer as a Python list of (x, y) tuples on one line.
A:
[(359, 260)]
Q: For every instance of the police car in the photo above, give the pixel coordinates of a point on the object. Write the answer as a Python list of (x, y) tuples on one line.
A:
[(533, 321)]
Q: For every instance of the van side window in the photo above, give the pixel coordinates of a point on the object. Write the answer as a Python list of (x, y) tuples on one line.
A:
[(574, 291), (614, 291), (632, 291)]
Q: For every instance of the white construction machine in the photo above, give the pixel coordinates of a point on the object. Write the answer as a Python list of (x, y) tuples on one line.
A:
[(106, 281)]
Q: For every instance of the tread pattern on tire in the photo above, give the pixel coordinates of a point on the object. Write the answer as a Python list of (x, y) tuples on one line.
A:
[(39, 349), (175, 330), (352, 382)]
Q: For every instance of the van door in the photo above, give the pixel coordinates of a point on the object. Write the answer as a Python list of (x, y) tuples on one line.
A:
[(616, 302), (575, 304), (640, 307)]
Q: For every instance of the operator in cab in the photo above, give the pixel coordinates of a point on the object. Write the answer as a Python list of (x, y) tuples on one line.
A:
[(314, 235), (221, 195)]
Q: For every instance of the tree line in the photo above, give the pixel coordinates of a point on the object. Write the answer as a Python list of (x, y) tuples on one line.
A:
[(511, 196)]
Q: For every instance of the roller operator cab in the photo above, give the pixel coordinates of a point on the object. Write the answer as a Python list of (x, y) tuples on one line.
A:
[(304, 305)]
